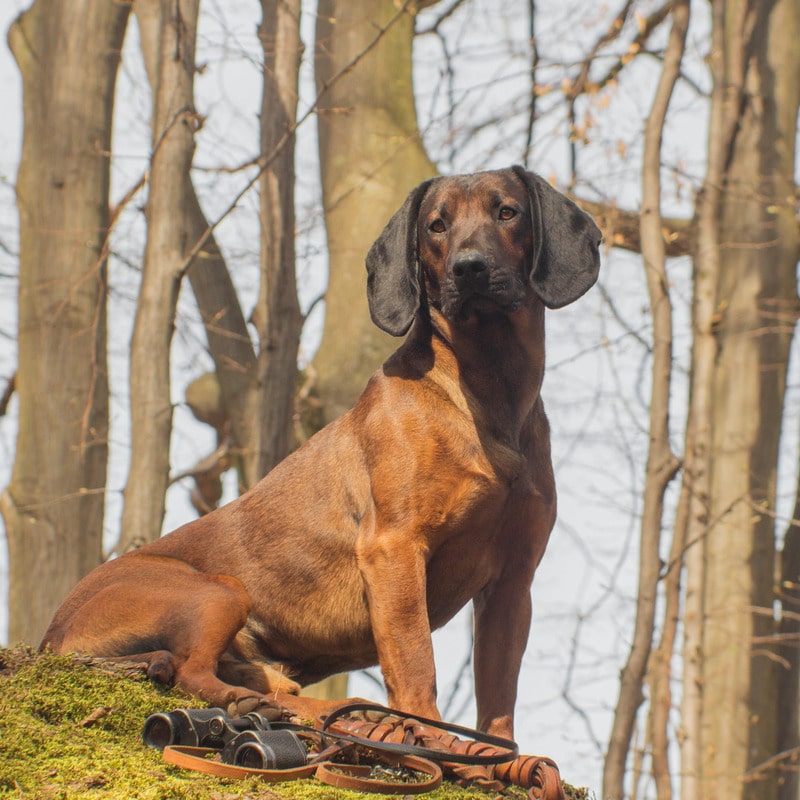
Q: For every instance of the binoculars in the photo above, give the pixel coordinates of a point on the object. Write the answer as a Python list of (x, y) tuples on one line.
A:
[(248, 741)]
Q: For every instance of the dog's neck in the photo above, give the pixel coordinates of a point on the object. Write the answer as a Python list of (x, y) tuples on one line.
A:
[(499, 360)]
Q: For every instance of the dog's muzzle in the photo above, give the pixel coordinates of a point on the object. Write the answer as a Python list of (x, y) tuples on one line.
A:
[(476, 285), (471, 274)]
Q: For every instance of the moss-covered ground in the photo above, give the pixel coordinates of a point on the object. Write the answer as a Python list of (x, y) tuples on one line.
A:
[(69, 729)]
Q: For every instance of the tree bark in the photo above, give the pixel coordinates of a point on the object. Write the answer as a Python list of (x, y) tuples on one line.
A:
[(174, 124), (789, 677), (757, 88), (229, 343), (68, 54), (371, 156), (696, 476), (256, 392), (660, 677), (277, 314), (662, 465)]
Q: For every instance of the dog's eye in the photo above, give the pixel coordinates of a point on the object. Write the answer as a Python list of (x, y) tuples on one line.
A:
[(507, 213), (437, 226)]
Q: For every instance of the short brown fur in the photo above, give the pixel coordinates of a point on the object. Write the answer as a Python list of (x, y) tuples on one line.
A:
[(435, 489)]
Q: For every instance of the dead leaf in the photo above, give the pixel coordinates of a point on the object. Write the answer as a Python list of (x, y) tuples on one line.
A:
[(95, 716)]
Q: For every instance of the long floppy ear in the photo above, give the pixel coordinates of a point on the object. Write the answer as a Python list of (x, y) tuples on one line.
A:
[(566, 256), (393, 269)]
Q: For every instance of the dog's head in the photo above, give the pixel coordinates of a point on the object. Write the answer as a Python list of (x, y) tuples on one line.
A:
[(480, 243)]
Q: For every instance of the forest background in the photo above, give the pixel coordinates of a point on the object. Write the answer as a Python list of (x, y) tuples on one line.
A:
[(663, 657)]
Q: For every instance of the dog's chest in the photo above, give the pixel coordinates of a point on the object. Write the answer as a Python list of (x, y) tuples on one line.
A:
[(471, 552)]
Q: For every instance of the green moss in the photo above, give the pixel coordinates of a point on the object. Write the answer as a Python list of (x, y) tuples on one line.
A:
[(68, 730)]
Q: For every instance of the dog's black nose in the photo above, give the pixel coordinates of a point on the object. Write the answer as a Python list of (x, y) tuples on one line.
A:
[(471, 271)]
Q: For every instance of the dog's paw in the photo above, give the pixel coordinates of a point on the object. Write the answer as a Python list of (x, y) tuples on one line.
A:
[(251, 703), (161, 668)]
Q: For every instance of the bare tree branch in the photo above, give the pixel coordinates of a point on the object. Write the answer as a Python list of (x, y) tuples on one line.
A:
[(8, 392), (446, 14), (662, 464), (266, 159), (621, 228), (534, 67), (646, 28)]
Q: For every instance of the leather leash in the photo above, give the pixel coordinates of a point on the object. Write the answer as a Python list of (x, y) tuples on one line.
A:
[(422, 745), (489, 761), (201, 759), (341, 776), (401, 734), (357, 776)]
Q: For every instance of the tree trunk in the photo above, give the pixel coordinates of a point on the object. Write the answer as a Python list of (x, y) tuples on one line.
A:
[(662, 465), (68, 53), (789, 677), (756, 313), (277, 314), (174, 124), (256, 392), (371, 156), (228, 338), (697, 455)]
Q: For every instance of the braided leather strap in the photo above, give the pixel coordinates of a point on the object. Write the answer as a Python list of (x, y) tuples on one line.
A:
[(489, 761), (537, 773)]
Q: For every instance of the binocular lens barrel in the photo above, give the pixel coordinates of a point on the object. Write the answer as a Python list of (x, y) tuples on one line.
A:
[(247, 741), (193, 727), (265, 750), (160, 731), (255, 755)]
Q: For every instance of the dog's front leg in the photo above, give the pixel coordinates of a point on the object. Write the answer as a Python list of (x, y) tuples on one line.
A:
[(502, 624), (394, 575)]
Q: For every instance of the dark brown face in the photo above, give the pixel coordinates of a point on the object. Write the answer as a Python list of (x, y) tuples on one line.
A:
[(475, 243)]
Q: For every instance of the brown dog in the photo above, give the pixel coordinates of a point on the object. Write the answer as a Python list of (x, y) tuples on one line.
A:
[(435, 489)]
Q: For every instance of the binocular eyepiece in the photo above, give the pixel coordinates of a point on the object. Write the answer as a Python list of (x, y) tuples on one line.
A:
[(248, 741)]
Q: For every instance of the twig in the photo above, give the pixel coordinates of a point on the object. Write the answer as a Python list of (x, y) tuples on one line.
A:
[(5, 398), (264, 162)]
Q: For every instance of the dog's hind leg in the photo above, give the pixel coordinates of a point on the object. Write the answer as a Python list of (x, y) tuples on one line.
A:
[(161, 611), (182, 623), (198, 629)]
